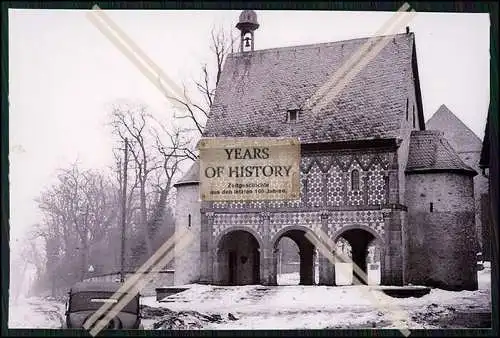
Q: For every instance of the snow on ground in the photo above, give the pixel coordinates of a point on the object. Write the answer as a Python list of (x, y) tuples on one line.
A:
[(343, 277), (319, 307), (287, 307), (35, 312)]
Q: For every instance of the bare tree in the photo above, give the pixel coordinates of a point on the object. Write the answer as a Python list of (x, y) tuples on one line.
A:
[(156, 154), (171, 154), (222, 44), (129, 123), (79, 210)]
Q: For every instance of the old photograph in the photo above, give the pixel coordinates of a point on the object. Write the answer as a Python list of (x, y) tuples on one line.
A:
[(248, 169)]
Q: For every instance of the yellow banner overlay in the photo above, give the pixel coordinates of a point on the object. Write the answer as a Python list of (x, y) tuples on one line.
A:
[(249, 169)]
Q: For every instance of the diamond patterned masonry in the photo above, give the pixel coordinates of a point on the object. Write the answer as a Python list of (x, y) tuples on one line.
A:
[(278, 221), (326, 181)]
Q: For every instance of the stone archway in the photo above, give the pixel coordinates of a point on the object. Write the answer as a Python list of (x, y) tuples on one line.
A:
[(237, 258), (307, 253), (359, 238)]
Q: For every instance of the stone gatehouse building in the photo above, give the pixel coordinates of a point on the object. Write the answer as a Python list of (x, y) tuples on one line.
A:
[(370, 172)]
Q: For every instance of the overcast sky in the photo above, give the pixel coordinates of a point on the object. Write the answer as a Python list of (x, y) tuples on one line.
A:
[(64, 73)]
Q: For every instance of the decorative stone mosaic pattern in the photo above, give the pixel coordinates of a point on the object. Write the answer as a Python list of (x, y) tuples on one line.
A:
[(278, 221), (370, 218), (328, 177), (315, 186), (239, 205), (298, 203), (311, 220), (376, 185), (335, 187), (223, 221)]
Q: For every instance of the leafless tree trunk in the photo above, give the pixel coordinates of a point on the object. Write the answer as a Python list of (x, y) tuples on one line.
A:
[(156, 154), (130, 123), (222, 44), (79, 210)]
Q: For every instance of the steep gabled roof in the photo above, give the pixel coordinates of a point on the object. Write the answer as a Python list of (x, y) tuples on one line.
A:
[(458, 134), (192, 176), (257, 88), (430, 151)]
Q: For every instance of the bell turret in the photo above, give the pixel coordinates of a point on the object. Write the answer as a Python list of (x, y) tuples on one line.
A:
[(247, 25)]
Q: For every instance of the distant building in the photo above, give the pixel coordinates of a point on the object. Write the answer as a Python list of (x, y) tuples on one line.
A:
[(370, 172), (489, 168), (468, 146)]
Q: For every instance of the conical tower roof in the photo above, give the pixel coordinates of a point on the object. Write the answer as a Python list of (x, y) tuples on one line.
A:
[(192, 176), (461, 137), (430, 151)]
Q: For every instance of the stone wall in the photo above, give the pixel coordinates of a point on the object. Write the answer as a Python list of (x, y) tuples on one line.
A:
[(187, 261), (441, 238)]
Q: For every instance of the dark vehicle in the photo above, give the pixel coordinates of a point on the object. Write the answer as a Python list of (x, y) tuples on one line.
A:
[(85, 298)]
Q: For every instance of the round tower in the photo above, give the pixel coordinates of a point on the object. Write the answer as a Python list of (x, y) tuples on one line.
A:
[(188, 217), (440, 237), (247, 24)]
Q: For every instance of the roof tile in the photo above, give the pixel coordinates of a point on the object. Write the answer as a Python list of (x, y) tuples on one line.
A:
[(256, 89), (430, 150)]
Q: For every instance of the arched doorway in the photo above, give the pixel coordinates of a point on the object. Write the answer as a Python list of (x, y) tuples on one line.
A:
[(305, 256), (238, 259), (288, 265), (362, 248), (343, 269)]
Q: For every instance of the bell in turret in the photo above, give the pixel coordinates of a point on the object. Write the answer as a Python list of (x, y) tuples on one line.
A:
[(247, 25)]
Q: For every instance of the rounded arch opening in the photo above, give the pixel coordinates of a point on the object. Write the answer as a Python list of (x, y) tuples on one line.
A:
[(238, 258), (294, 257), (357, 256), (232, 229), (288, 262)]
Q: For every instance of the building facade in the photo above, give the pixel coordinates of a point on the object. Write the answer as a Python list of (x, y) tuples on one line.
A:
[(468, 146), (365, 158)]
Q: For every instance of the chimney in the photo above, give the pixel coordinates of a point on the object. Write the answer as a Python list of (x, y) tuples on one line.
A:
[(407, 30)]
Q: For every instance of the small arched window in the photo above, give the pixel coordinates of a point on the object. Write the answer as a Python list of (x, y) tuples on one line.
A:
[(355, 180)]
